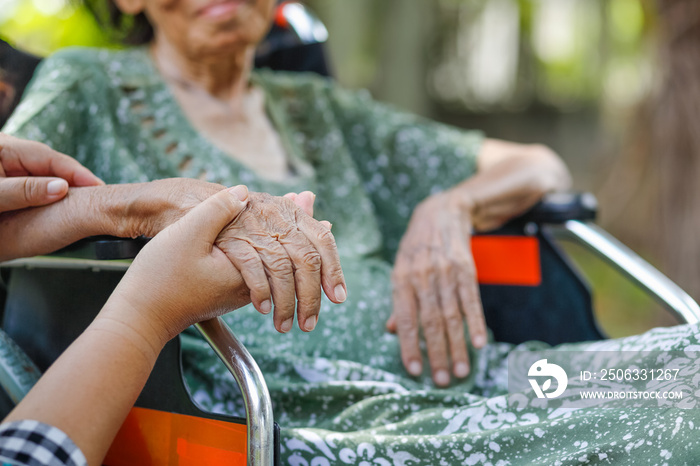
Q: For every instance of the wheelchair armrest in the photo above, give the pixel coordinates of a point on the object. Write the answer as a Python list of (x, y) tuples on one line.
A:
[(558, 208), (103, 248), (627, 262)]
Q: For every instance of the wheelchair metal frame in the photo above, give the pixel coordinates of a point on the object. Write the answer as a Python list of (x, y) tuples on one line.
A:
[(626, 261)]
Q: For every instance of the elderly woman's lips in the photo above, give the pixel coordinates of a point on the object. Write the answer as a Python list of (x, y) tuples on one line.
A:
[(221, 10)]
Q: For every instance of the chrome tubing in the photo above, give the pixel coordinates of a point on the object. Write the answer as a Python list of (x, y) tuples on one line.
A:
[(258, 404), (626, 261)]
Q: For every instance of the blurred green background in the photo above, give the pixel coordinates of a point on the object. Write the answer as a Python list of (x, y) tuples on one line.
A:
[(566, 73)]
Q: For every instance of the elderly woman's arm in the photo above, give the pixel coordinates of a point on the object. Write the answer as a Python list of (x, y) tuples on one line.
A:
[(435, 283), (284, 255)]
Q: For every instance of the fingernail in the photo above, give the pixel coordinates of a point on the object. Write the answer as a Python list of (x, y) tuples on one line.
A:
[(266, 306), (479, 341), (414, 368), (241, 191), (56, 187), (287, 325), (461, 370), (442, 378), (340, 294), (311, 323)]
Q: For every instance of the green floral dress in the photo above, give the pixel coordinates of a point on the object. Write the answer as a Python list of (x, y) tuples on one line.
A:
[(340, 393)]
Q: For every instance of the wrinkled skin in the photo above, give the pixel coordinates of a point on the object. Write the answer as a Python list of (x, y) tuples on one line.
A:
[(434, 272), (275, 239), (279, 248), (435, 281), (281, 251)]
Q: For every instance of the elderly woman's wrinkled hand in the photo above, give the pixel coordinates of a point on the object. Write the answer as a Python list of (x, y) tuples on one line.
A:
[(283, 254), (282, 251), (435, 288), (32, 174)]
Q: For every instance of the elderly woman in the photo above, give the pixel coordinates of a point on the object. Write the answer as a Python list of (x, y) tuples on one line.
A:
[(187, 103)]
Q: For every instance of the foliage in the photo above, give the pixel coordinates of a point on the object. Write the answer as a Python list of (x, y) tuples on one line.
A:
[(43, 26)]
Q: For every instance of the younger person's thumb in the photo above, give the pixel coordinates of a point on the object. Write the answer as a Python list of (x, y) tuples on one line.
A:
[(211, 216)]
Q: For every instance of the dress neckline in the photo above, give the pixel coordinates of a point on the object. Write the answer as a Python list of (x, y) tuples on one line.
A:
[(151, 77)]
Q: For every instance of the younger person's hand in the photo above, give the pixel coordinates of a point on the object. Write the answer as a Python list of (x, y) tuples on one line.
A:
[(32, 174), (181, 277)]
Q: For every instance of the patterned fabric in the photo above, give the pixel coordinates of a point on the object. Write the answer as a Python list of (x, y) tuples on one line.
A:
[(340, 393), (33, 443)]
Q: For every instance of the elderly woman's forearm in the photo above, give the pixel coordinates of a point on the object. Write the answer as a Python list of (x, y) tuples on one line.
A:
[(510, 179)]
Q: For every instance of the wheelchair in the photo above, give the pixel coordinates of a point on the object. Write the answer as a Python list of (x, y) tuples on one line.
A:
[(529, 289)]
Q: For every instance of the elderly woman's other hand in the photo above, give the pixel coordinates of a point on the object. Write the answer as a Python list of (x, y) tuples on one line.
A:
[(283, 254), (435, 282), (435, 288), (32, 174)]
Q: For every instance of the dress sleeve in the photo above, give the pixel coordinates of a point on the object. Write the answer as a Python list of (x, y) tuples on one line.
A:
[(52, 110), (34, 443), (402, 158), (70, 106)]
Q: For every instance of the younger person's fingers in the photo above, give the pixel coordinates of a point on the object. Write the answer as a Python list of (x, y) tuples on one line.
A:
[(22, 192), (67, 168), (84, 177), (202, 224), (20, 157)]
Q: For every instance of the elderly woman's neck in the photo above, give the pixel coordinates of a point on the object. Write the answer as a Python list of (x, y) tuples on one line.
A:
[(224, 78)]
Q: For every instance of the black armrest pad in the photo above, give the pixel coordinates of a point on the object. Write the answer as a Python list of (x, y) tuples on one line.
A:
[(103, 248), (561, 207)]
